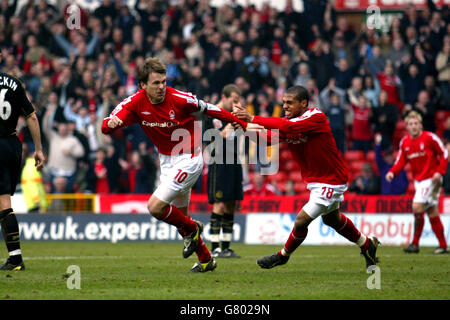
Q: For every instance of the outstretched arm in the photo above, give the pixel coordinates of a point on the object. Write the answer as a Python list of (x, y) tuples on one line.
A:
[(267, 122), (214, 111)]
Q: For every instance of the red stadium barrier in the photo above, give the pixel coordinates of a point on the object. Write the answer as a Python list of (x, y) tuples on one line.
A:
[(120, 203)]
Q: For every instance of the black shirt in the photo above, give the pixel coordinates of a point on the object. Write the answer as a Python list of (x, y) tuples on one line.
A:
[(13, 103)]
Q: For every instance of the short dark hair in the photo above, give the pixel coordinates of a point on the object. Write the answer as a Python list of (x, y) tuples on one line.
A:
[(229, 89), (300, 93)]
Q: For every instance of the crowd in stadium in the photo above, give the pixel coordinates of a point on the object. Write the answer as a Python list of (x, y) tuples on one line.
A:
[(364, 80)]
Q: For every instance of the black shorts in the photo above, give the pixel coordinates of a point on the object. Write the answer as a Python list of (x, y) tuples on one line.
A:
[(10, 164), (225, 183)]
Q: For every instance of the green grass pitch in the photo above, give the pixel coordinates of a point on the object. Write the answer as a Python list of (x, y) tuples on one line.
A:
[(157, 271)]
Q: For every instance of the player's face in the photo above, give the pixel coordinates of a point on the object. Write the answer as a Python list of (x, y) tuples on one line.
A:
[(233, 100), (155, 87), (292, 107), (414, 127)]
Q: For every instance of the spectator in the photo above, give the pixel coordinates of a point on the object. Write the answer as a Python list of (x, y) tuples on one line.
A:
[(425, 109), (344, 73), (336, 117), (443, 69), (412, 77), (385, 160), (101, 172), (361, 130), (355, 91), (76, 112), (372, 90), (289, 188), (303, 75), (447, 130), (367, 182), (326, 92), (77, 46), (434, 92), (138, 176), (397, 52), (390, 83), (377, 62), (259, 187), (57, 204), (385, 119), (64, 149), (321, 63), (446, 181)]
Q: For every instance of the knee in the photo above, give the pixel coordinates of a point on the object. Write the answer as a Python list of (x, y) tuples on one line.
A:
[(418, 209), (156, 208), (301, 222)]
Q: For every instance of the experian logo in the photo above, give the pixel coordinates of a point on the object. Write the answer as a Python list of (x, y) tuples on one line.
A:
[(158, 124)]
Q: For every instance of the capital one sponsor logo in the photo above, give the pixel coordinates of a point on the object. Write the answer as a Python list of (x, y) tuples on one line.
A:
[(167, 124)]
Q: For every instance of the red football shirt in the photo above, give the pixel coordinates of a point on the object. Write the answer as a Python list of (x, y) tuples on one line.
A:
[(312, 145), (426, 155), (170, 125), (102, 183), (361, 123)]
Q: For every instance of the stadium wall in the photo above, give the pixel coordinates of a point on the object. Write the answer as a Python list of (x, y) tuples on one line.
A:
[(253, 228), (261, 220)]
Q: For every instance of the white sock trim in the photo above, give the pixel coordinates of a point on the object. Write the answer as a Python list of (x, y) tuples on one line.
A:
[(361, 240), (15, 252)]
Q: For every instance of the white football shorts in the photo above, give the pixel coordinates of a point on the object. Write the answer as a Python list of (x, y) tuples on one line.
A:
[(178, 175), (324, 198), (427, 192)]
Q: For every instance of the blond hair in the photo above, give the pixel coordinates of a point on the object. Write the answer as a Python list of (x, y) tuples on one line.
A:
[(413, 115)]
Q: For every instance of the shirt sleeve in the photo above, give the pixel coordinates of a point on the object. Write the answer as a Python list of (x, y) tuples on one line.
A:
[(400, 161), (124, 111), (192, 104), (313, 122), (216, 112), (439, 149)]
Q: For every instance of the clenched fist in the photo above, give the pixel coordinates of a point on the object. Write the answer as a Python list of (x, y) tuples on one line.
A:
[(114, 122)]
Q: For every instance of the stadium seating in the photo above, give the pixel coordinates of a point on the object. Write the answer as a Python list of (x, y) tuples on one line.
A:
[(440, 120), (354, 155)]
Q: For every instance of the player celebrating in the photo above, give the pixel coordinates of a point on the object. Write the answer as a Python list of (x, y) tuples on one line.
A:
[(14, 103), (165, 115), (428, 158), (308, 134)]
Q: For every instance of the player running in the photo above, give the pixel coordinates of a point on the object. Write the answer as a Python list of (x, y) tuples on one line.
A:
[(308, 134), (428, 159), (165, 115), (14, 103)]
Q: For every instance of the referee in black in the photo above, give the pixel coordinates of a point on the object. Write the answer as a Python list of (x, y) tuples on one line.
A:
[(224, 179), (14, 103)]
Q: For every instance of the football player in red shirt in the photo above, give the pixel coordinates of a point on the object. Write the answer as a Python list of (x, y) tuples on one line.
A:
[(165, 115), (308, 134), (428, 158)]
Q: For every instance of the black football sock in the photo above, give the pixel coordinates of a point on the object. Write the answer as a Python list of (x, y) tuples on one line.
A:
[(216, 223), (10, 231), (227, 230)]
